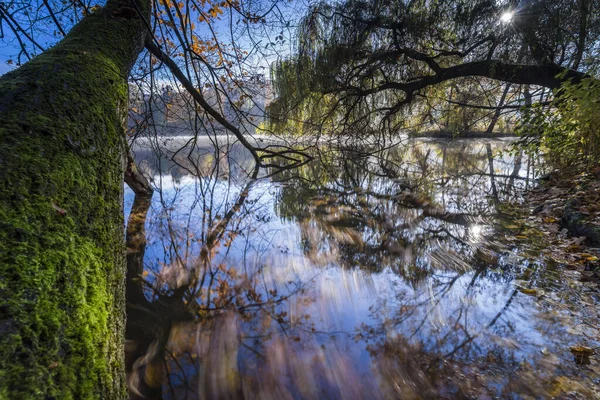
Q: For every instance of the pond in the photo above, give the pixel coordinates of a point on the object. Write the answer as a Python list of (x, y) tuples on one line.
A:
[(367, 273)]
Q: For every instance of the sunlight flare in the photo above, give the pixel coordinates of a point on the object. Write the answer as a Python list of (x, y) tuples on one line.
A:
[(507, 17)]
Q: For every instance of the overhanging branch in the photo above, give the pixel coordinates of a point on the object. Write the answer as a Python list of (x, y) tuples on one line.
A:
[(201, 101), (546, 75)]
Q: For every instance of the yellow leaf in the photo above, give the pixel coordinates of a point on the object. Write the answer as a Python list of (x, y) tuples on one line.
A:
[(586, 255), (530, 292), (582, 349)]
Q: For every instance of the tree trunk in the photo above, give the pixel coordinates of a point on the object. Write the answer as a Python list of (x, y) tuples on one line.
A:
[(62, 258)]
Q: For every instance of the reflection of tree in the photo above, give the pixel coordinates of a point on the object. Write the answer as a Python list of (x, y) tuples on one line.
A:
[(196, 291), (231, 307), (194, 158), (443, 343), (384, 209)]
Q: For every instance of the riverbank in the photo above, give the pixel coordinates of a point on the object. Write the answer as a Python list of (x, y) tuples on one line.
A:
[(461, 135), (558, 223), (564, 213)]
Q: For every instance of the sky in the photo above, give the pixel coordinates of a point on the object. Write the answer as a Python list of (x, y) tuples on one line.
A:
[(9, 47), (4, 67), (6, 50)]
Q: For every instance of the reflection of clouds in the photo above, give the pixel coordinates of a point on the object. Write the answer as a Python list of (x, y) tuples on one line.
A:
[(168, 183)]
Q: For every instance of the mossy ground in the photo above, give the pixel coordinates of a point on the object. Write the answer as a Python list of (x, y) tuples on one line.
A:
[(62, 261)]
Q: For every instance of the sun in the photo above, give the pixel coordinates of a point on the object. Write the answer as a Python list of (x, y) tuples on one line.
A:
[(507, 16)]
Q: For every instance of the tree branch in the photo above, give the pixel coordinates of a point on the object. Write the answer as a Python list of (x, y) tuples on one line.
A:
[(541, 75), (162, 56)]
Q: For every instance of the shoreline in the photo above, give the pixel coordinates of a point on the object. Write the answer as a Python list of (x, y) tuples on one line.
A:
[(565, 209), (462, 135)]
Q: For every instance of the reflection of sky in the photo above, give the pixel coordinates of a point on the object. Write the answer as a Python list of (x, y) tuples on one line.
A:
[(452, 302)]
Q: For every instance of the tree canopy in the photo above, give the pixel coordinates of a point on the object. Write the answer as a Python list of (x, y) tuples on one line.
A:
[(361, 63)]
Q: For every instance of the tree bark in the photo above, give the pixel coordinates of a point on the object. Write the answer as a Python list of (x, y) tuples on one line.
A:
[(62, 253)]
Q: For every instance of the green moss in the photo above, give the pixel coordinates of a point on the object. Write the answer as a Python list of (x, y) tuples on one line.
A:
[(62, 272)]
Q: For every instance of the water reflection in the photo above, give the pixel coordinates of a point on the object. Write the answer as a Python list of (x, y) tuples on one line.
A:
[(364, 274)]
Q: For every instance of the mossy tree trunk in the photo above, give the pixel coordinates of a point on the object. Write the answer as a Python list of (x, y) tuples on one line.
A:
[(62, 254)]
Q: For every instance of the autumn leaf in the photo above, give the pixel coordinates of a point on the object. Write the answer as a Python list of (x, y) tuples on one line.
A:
[(527, 291)]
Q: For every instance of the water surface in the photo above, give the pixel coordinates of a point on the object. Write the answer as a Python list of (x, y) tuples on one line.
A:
[(366, 273)]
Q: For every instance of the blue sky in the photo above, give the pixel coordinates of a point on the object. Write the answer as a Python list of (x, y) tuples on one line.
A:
[(6, 50), (4, 68), (9, 48), (46, 35)]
